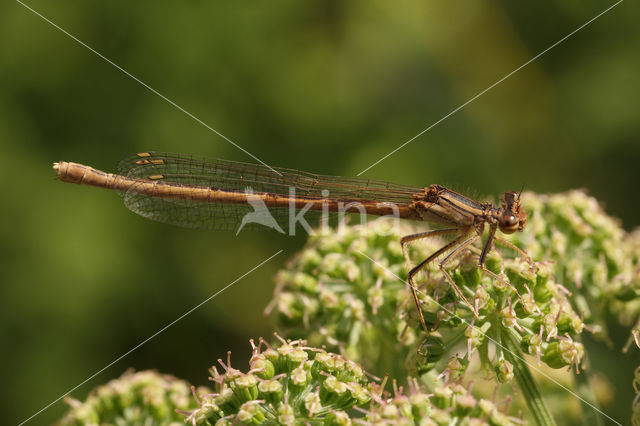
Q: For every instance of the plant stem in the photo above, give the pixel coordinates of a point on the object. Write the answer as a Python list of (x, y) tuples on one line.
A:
[(529, 387)]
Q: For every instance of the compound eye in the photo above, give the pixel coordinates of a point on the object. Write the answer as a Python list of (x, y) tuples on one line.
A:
[(509, 224)]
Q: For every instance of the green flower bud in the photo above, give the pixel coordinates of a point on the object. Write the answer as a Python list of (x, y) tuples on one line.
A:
[(337, 418), (245, 387), (563, 353), (429, 353), (504, 371), (251, 412), (464, 405), (286, 414), (484, 301), (299, 377), (262, 367), (457, 367), (442, 397), (333, 390), (312, 404), (271, 391)]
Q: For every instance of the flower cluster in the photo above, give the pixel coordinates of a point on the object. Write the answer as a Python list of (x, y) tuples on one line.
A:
[(288, 384), (285, 385), (593, 258), (346, 288), (134, 398), (523, 304), (445, 405), (297, 384)]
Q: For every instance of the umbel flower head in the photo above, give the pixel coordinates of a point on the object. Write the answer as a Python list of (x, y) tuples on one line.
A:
[(333, 294), (347, 290), (144, 397), (288, 384), (591, 255)]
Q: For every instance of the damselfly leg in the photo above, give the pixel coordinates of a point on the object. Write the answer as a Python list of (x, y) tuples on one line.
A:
[(458, 241), (456, 247), (523, 254)]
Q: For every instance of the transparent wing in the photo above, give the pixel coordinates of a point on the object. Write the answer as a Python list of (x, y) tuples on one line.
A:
[(191, 171)]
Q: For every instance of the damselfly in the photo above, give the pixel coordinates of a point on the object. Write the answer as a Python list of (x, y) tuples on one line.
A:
[(218, 194)]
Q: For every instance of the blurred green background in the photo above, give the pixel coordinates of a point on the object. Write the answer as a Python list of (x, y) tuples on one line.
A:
[(327, 87)]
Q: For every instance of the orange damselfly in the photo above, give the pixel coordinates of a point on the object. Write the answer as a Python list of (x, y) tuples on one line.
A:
[(218, 194)]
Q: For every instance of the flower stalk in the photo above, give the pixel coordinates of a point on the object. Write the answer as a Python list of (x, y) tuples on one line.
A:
[(530, 389)]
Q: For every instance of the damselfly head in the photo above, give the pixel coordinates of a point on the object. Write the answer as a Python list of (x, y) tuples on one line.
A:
[(513, 218)]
